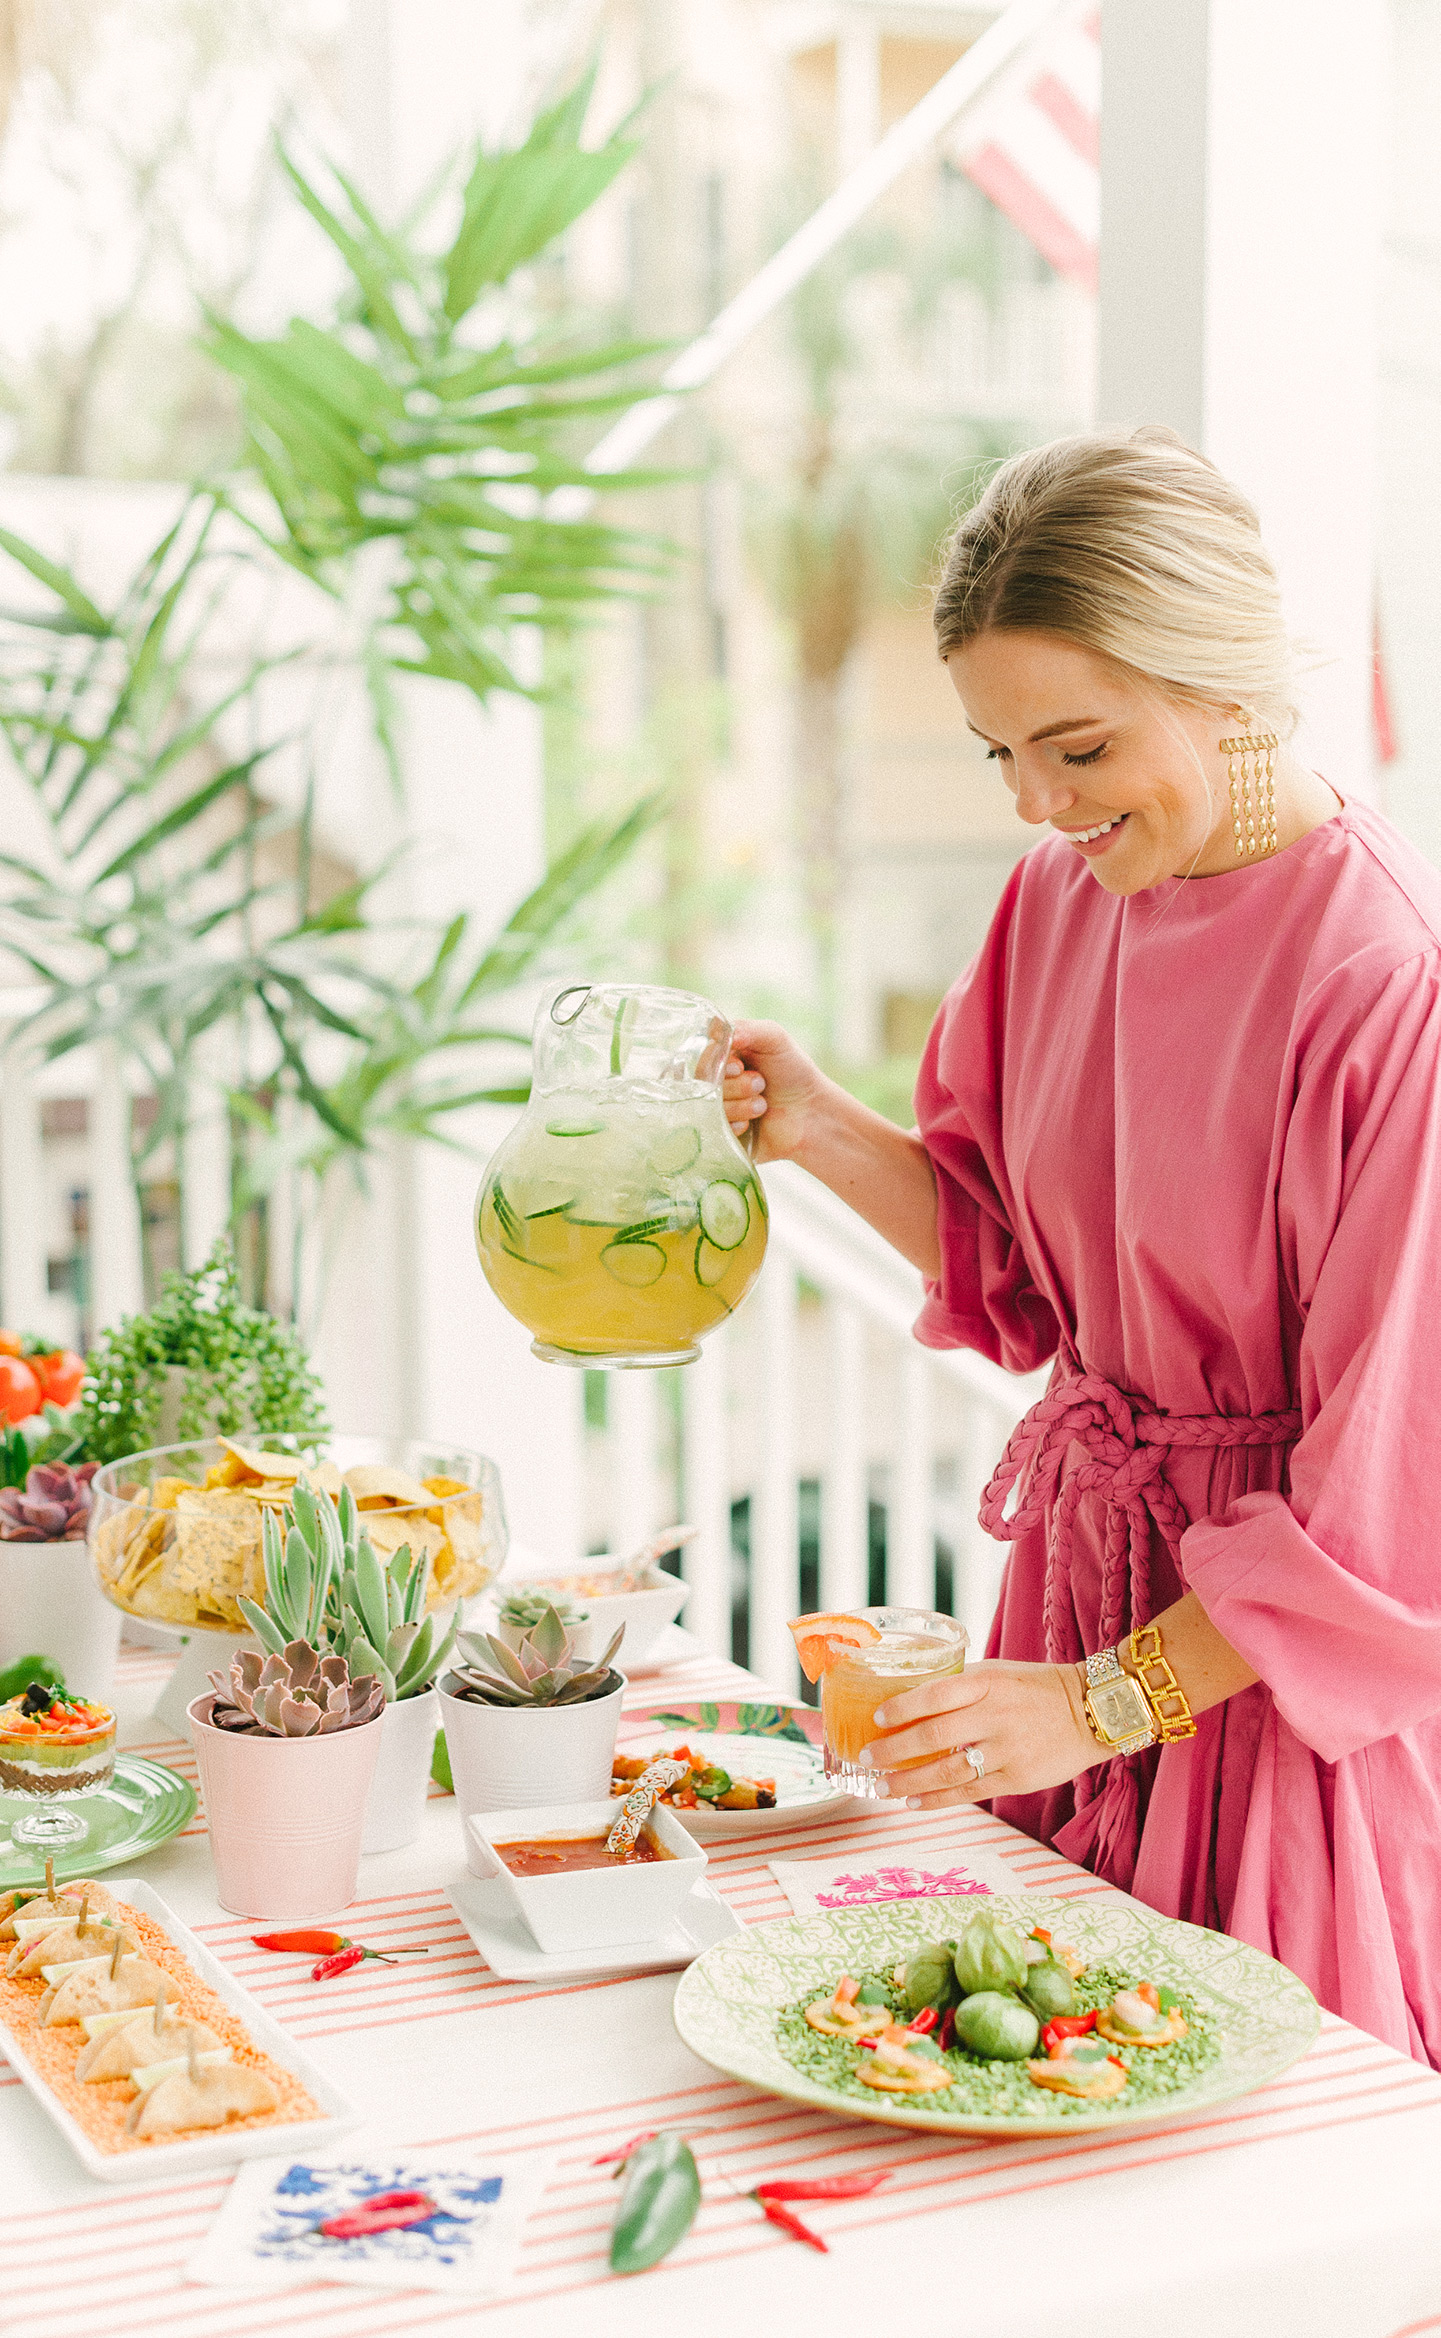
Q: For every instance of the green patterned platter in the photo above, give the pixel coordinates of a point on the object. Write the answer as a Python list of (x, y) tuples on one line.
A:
[(142, 1807), (726, 2003)]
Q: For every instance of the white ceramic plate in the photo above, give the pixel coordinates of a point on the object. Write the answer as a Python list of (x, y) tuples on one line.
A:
[(509, 1949), (750, 1740), (216, 2148)]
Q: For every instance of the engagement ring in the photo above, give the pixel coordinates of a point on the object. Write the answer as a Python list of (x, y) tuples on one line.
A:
[(976, 1759)]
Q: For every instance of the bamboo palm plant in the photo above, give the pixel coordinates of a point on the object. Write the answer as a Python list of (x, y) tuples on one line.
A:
[(415, 434), (434, 419)]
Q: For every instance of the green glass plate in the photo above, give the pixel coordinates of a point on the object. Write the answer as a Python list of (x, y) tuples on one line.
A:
[(726, 2002), (141, 1808)]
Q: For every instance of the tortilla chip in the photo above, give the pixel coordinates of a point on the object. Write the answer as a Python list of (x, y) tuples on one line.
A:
[(160, 1604), (214, 1535), (325, 1478), (258, 1464), (378, 1485), (388, 1529), (444, 1485), (166, 1491)]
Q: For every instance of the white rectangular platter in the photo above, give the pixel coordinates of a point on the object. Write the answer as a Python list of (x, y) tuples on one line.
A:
[(216, 2147)]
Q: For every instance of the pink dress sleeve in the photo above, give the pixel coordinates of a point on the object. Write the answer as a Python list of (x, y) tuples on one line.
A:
[(1332, 1592), (985, 1298)]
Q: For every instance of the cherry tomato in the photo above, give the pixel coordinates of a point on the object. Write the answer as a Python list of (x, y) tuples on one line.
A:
[(19, 1390), (59, 1374)]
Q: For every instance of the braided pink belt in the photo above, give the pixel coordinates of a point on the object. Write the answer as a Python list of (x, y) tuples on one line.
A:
[(1126, 1446)]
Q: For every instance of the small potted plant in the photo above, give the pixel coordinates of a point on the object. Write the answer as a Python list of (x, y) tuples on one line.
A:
[(530, 1724), (326, 1573), (50, 1602), (286, 1746)]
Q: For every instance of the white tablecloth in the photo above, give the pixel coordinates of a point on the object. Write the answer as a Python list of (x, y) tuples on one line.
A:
[(1312, 2207)]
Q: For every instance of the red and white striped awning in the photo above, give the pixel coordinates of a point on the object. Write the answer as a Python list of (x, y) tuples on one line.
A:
[(1033, 144)]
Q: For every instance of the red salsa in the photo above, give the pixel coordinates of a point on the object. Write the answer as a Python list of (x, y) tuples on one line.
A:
[(561, 1854)]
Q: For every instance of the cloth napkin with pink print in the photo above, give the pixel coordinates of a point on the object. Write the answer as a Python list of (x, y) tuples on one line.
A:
[(859, 1881)]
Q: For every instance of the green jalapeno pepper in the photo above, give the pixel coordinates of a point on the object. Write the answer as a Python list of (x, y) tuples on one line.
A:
[(658, 2206)]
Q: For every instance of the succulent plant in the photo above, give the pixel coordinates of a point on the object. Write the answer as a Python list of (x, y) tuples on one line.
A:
[(324, 1582), (526, 1603), (297, 1693), (54, 1506), (542, 1670)]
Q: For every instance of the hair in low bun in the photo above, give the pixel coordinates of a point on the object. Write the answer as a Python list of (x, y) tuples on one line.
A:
[(1135, 547)]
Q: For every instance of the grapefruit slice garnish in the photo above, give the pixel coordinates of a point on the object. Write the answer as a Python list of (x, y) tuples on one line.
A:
[(822, 1640)]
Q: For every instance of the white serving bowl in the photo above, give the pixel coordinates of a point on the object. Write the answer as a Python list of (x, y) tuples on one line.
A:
[(645, 1613), (588, 1907)]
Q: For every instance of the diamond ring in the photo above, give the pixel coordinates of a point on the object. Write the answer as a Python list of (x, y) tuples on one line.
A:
[(976, 1759)]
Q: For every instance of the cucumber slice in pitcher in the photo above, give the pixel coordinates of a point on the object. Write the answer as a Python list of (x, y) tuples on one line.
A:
[(725, 1214), (675, 1151), (574, 1128), (711, 1265), (636, 1264)]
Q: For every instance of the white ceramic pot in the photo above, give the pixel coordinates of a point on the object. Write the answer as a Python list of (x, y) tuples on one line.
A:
[(513, 1757), (588, 1907), (395, 1805), (51, 1605)]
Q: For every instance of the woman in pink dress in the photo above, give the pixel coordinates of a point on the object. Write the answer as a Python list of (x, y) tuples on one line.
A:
[(1179, 1131)]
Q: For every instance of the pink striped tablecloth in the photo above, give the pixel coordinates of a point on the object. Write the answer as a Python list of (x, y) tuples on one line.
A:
[(1313, 2206)]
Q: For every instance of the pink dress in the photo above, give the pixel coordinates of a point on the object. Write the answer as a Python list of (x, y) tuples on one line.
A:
[(1189, 1144)]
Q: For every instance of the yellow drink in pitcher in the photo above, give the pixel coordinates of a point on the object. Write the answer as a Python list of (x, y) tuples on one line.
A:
[(621, 1228)]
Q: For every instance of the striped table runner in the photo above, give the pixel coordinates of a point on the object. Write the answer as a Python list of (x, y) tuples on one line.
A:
[(1311, 2205)]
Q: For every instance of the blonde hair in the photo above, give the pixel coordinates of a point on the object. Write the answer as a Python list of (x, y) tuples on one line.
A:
[(1133, 547)]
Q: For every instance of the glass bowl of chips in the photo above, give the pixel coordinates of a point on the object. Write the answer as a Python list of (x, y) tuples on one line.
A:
[(175, 1533)]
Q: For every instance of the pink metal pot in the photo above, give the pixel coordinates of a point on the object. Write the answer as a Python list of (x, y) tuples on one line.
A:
[(285, 1815)]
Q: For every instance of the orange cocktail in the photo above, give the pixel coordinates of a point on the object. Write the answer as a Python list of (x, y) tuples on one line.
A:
[(862, 1656)]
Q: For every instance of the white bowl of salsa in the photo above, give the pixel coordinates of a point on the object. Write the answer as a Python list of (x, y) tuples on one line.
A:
[(552, 1865)]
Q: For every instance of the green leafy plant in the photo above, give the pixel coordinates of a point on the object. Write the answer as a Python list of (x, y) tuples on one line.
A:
[(324, 1583), (422, 420), (240, 1370)]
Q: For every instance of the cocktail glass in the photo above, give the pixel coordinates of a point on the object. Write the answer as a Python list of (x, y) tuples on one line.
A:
[(621, 1221), (915, 1645)]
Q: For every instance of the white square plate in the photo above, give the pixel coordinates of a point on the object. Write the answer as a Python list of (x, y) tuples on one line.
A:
[(215, 2148), (510, 1950)]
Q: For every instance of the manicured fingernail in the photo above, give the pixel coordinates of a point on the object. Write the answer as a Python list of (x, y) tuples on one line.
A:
[(757, 1082), (882, 1789), (915, 1802), (865, 1759)]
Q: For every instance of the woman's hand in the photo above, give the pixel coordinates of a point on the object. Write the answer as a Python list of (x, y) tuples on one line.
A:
[(772, 1081), (1026, 1721)]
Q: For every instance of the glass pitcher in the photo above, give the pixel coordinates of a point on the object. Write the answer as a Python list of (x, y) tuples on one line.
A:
[(621, 1220)]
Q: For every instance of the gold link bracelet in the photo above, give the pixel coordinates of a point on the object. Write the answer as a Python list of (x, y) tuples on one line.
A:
[(1165, 1695)]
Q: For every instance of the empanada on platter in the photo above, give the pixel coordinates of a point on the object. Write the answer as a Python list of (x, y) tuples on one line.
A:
[(223, 2092)]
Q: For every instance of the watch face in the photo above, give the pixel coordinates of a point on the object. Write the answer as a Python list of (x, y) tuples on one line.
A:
[(1120, 1708)]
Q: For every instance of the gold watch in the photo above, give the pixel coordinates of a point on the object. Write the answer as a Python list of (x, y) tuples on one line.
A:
[(1117, 1708)]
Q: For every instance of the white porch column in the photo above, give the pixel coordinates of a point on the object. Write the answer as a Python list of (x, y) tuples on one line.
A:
[(1241, 192), (858, 93)]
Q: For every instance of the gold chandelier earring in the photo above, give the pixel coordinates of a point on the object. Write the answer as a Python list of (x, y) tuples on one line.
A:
[(1251, 776)]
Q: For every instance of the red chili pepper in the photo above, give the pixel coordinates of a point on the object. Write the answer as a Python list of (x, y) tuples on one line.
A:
[(1066, 2025), (328, 1945), (329, 1966), (382, 2212), (925, 2021), (792, 2224), (301, 1943), (626, 2149), (823, 2187), (946, 2036)]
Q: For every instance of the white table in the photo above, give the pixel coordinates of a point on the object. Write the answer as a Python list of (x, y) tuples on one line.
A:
[(1312, 2207)]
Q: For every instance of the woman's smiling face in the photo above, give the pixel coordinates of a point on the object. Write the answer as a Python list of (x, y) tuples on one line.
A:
[(1080, 746)]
